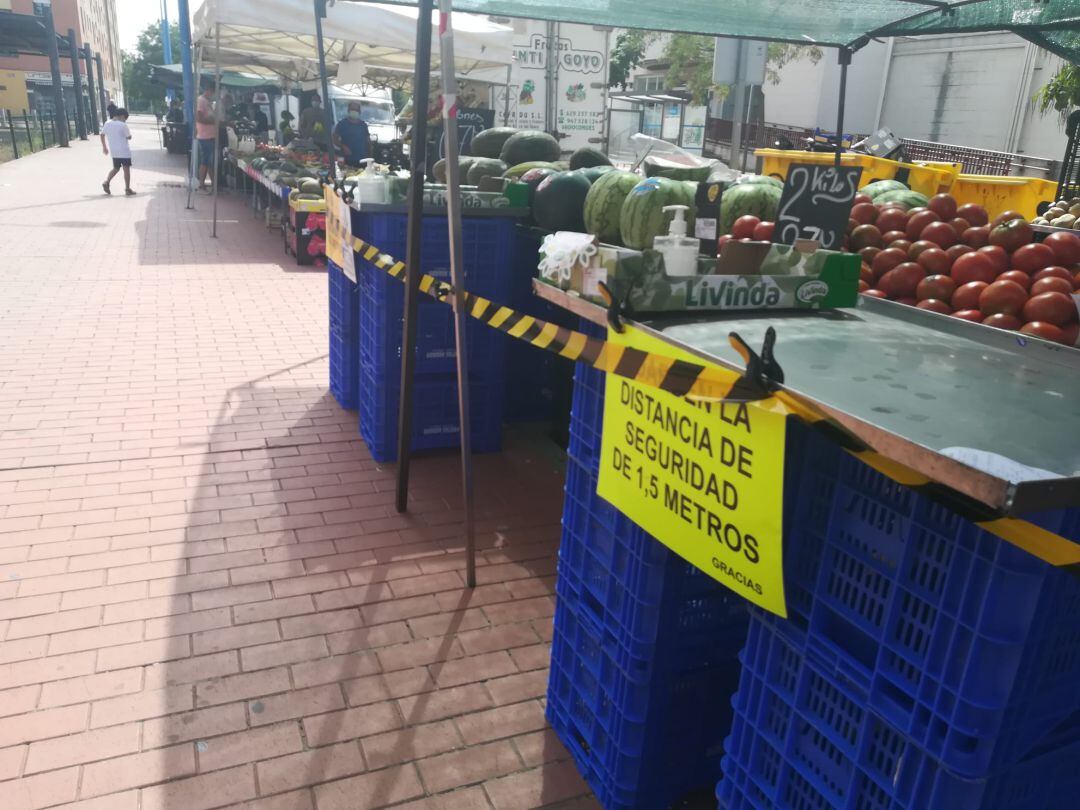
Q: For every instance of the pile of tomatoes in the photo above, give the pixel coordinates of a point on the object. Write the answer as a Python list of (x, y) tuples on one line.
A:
[(955, 261)]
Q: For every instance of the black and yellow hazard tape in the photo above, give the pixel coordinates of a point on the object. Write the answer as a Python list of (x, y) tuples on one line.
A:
[(700, 382)]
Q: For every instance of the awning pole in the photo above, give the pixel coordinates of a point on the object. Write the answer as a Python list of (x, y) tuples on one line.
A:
[(193, 160), (738, 107), (320, 12), (59, 115), (457, 277), (845, 60), (218, 115), (417, 169)]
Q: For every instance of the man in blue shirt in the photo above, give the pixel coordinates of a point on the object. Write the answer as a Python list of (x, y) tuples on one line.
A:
[(351, 136)]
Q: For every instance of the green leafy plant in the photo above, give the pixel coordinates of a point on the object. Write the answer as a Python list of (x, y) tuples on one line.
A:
[(1061, 94), (140, 93), (627, 54), (779, 54)]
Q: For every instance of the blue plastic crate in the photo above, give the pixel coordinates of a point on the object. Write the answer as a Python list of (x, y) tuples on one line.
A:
[(344, 347), (435, 422), (804, 738), (961, 640)]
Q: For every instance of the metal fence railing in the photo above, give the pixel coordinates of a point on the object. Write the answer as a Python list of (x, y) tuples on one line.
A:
[(22, 133)]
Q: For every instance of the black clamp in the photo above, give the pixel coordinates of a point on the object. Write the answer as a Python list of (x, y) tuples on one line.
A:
[(615, 308), (763, 375)]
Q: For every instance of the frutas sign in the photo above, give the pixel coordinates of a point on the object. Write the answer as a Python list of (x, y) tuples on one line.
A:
[(534, 55)]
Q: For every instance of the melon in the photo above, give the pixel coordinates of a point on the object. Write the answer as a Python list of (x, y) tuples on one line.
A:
[(594, 173), (656, 167), (585, 157), (529, 145), (489, 142), (763, 179), (908, 199), (515, 172), (872, 190), (484, 167), (309, 186), (603, 204), (642, 217), (559, 202), (760, 199)]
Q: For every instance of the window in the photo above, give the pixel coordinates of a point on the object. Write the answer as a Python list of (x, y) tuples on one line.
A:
[(648, 84), (39, 9)]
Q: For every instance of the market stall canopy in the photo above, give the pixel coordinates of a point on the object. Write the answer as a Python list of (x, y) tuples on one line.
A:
[(836, 23), (380, 36), (173, 76)]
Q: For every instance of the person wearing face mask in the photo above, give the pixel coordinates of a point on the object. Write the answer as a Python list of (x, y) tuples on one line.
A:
[(311, 121), (351, 136)]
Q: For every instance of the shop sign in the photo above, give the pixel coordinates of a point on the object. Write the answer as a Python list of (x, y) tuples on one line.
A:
[(706, 479), (815, 204)]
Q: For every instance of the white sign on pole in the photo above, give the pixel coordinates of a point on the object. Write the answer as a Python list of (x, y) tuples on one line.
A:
[(725, 53)]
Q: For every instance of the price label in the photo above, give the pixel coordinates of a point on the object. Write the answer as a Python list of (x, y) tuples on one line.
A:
[(816, 203)]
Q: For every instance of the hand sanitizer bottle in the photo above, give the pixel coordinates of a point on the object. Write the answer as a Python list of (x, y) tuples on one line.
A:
[(680, 251), (371, 187)]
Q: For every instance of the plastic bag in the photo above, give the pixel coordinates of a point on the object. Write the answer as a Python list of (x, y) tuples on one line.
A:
[(660, 157)]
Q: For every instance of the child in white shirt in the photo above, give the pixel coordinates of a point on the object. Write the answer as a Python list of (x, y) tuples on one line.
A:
[(115, 137)]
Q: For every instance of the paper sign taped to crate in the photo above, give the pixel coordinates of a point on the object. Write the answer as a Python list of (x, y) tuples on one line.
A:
[(705, 478), (339, 234)]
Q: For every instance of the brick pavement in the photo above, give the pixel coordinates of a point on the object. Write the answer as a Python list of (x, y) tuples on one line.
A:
[(206, 596)]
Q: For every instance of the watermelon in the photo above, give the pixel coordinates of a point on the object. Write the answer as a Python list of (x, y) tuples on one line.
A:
[(438, 170), (514, 172), (560, 201), (529, 145), (594, 173), (642, 217), (906, 198), (489, 142), (585, 157), (659, 167), (872, 190), (759, 199), (763, 179), (603, 204), (485, 167), (309, 186)]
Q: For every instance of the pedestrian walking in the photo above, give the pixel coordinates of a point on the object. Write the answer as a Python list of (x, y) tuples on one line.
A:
[(115, 141)]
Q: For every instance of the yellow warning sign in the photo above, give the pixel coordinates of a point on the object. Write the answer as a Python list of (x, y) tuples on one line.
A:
[(705, 478), (339, 241)]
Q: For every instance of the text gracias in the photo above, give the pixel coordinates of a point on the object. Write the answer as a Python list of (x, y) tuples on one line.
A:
[(714, 492)]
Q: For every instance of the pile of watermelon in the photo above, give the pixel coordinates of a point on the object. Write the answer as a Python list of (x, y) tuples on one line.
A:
[(955, 261)]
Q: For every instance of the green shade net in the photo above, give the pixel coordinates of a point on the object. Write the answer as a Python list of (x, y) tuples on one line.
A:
[(1053, 24), (173, 75)]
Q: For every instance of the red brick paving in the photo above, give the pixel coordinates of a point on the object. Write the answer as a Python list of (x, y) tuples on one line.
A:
[(206, 596)]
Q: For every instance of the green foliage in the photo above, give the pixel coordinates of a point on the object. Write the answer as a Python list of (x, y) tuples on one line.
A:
[(141, 94), (627, 54), (1062, 93), (779, 54)]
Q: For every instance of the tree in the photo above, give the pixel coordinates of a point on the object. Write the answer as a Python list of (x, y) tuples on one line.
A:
[(1062, 93), (627, 54), (140, 93)]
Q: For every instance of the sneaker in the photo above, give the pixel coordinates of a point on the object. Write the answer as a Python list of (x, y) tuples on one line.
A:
[(105, 188), (129, 192)]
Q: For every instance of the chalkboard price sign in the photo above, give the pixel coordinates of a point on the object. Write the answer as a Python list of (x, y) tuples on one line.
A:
[(816, 203), (471, 121)]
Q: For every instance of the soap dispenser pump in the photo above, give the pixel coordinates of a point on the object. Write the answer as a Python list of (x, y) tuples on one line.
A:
[(371, 187), (680, 251)]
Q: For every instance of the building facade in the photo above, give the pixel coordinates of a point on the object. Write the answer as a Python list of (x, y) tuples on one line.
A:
[(94, 23)]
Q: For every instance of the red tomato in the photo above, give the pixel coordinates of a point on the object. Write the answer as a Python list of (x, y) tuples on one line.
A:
[(972, 315), (865, 236), (763, 231), (1030, 258), (902, 280), (935, 260), (939, 287), (940, 233), (743, 227), (1066, 247), (1002, 321), (862, 198), (976, 236), (866, 274), (1005, 297), (887, 260), (909, 301), (919, 221), (851, 225), (1052, 272), (935, 305), (958, 250), (865, 213), (1018, 276), (892, 219), (723, 240), (1076, 281), (959, 225), (903, 244), (1050, 307), (863, 286), (967, 296), (1012, 234), (1052, 284), (973, 267), (975, 214), (1072, 334), (1046, 331), (918, 247), (868, 253), (943, 205), (1004, 216), (999, 259), (875, 294)]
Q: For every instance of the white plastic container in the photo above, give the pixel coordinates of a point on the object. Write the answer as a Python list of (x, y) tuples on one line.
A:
[(680, 251), (371, 187)]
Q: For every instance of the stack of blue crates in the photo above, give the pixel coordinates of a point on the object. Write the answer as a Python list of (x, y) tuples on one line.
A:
[(926, 663), (488, 245), (644, 652), (344, 329)]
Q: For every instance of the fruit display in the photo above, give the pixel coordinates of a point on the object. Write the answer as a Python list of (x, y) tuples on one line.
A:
[(603, 204), (956, 260), (1062, 214), (642, 217), (754, 196), (526, 145)]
